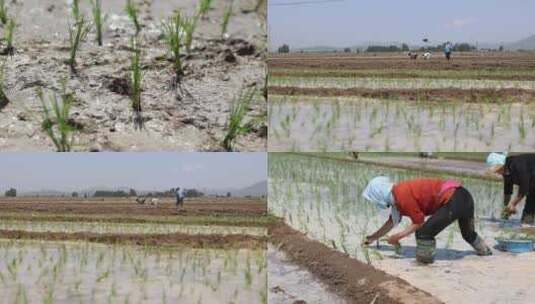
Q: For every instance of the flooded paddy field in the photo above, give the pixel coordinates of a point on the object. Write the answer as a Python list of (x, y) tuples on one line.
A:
[(67, 272), (308, 123), (58, 250), (382, 102), (321, 198), (186, 113)]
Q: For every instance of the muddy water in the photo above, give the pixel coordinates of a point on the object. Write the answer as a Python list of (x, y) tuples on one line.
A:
[(289, 283), (189, 120), (361, 124), (322, 198), (122, 228), (54, 272)]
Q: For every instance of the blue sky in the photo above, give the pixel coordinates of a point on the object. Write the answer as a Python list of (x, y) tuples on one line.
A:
[(349, 22), (145, 171)]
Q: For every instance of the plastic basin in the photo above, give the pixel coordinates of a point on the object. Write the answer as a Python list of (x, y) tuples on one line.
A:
[(515, 246)]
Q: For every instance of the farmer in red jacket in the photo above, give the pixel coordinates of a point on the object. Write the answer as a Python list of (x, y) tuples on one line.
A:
[(444, 201)]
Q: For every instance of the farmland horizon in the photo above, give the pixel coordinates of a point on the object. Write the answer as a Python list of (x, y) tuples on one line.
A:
[(340, 24), (211, 172)]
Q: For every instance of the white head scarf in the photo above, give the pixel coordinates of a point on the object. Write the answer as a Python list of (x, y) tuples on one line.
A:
[(379, 192)]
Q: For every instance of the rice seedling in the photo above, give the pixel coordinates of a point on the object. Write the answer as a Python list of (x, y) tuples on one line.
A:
[(235, 125), (4, 101), (136, 79), (3, 12), (204, 8), (56, 119), (226, 19), (132, 12), (8, 37), (173, 37), (98, 19), (188, 26), (77, 33)]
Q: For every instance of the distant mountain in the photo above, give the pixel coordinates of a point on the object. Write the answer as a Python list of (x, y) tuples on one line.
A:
[(257, 189), (524, 44)]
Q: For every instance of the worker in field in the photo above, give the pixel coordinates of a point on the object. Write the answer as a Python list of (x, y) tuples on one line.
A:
[(442, 201), (516, 170), (448, 48), (179, 193)]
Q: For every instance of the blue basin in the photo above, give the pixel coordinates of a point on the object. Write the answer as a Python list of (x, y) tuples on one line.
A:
[(515, 246)]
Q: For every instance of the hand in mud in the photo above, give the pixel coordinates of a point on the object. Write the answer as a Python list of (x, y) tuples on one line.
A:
[(367, 241), (393, 240), (509, 210)]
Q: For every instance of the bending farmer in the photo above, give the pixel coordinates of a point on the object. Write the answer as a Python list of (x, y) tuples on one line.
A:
[(179, 193), (516, 170), (444, 201)]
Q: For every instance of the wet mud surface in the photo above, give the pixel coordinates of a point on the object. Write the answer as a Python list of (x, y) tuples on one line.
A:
[(438, 95), (355, 281), (186, 240), (192, 117)]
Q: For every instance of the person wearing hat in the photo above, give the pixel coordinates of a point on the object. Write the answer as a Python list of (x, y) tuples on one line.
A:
[(516, 170), (179, 193), (443, 201)]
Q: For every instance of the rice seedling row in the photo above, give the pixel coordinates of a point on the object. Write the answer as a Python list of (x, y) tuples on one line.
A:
[(321, 198), (137, 85), (362, 124)]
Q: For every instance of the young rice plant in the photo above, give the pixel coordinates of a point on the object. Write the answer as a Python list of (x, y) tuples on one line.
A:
[(136, 83), (56, 119), (3, 12), (8, 37), (204, 7), (132, 12), (3, 97), (236, 126), (98, 19), (226, 19), (173, 38), (77, 33)]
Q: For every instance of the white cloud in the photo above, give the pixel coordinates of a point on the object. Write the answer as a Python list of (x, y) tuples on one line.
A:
[(461, 22)]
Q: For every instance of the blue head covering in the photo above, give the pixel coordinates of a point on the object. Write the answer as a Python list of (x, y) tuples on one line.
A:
[(496, 159)]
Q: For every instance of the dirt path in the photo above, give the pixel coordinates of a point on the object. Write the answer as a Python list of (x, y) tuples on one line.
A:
[(447, 165), (192, 117), (187, 240), (291, 283), (355, 281), (440, 95)]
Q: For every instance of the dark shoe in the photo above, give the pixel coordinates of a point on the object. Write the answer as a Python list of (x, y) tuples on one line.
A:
[(425, 251), (480, 247)]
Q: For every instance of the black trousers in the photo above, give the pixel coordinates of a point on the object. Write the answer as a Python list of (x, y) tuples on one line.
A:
[(529, 208), (459, 208)]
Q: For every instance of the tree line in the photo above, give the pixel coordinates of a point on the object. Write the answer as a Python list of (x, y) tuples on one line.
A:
[(457, 47), (12, 192)]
